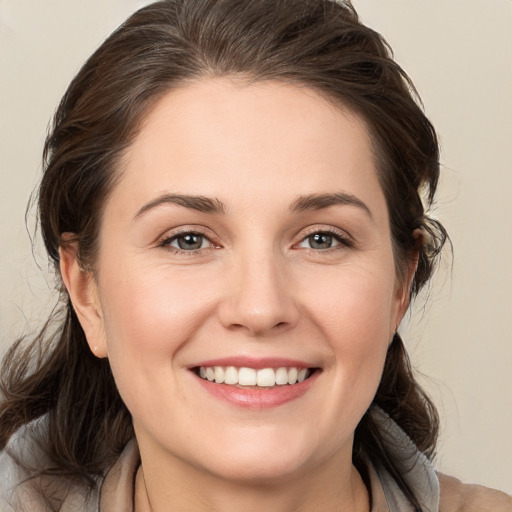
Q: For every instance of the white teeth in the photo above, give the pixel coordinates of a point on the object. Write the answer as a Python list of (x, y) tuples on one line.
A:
[(230, 375), (281, 376), (219, 374), (247, 377), (264, 377), (303, 373), (292, 375)]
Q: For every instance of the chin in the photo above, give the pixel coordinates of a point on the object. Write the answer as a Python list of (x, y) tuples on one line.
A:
[(262, 458), (258, 470)]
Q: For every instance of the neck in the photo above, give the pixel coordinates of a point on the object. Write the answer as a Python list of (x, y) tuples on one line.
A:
[(190, 490)]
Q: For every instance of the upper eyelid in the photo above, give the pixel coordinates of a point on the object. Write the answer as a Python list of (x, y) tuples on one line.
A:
[(341, 233), (184, 233), (184, 230)]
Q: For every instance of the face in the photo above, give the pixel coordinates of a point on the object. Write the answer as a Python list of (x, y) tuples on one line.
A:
[(247, 242)]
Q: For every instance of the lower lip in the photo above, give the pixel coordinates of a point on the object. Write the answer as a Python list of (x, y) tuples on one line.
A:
[(263, 398)]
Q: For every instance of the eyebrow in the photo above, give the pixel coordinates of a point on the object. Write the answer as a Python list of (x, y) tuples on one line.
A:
[(199, 203), (215, 206), (319, 201)]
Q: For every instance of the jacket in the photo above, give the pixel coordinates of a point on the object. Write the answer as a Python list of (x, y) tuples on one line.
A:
[(114, 491)]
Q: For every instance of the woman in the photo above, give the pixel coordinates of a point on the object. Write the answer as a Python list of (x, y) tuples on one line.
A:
[(232, 198)]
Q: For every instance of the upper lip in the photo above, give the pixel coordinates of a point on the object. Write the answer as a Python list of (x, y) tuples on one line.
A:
[(255, 362)]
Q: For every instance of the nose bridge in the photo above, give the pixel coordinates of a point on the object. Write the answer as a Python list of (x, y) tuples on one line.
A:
[(259, 296)]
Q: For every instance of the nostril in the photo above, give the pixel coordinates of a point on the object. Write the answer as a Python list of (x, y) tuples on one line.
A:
[(237, 326)]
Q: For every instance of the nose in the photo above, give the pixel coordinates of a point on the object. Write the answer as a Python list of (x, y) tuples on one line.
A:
[(259, 298)]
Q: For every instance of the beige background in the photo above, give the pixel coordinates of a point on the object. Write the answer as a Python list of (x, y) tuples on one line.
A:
[(459, 53)]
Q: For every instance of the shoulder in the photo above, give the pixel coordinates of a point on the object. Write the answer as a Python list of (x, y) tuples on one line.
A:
[(460, 497), (10, 477), (23, 489), (16, 460)]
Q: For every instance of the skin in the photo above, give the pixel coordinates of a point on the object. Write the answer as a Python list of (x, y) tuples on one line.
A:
[(258, 286)]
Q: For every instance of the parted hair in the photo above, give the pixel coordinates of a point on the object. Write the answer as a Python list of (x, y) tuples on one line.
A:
[(320, 44)]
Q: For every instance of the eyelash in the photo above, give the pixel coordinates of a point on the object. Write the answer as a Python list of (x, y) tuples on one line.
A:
[(343, 239), (165, 242)]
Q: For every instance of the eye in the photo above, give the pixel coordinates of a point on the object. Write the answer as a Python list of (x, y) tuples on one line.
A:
[(187, 242), (324, 240)]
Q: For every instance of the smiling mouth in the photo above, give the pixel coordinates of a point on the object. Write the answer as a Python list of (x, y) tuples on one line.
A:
[(254, 378)]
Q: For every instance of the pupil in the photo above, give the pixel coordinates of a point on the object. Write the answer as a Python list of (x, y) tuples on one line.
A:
[(320, 241), (190, 241)]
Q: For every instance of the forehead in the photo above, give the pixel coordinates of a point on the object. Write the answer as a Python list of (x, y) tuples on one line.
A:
[(250, 143)]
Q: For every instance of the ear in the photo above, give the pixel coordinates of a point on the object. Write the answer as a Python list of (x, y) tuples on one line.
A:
[(404, 288), (83, 292)]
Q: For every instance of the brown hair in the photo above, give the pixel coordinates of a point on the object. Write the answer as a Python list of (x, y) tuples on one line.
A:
[(315, 43)]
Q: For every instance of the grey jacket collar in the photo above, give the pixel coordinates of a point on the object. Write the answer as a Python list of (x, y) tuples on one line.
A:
[(414, 465), (116, 490)]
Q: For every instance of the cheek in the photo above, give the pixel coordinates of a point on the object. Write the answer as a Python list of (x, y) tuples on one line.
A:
[(148, 317), (355, 303), (356, 312)]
